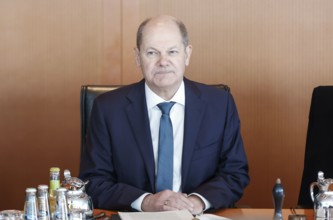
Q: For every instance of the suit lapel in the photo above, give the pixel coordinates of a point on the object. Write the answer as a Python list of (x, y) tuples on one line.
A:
[(194, 109), (138, 118)]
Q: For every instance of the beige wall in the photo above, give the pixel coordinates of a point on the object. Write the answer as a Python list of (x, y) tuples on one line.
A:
[(271, 53)]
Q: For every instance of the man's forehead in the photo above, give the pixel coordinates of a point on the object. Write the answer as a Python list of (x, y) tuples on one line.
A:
[(161, 27), (161, 43), (162, 34)]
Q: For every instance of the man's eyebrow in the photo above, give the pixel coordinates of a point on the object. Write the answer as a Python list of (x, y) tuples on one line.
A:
[(153, 48), (173, 47)]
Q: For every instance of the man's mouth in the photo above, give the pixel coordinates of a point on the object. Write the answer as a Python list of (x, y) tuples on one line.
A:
[(163, 72)]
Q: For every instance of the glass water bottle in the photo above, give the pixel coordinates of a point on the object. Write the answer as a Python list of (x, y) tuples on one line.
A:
[(61, 205), (54, 185), (30, 205), (44, 212)]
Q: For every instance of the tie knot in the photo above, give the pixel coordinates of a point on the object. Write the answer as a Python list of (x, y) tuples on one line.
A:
[(165, 107)]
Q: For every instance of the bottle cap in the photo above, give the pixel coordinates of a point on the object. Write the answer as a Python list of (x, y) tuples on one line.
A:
[(278, 181), (30, 190), (55, 169), (43, 186)]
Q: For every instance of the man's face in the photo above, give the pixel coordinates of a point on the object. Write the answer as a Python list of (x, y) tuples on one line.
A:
[(162, 56)]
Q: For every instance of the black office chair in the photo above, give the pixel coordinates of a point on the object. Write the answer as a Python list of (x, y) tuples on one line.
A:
[(90, 92), (88, 95), (319, 142)]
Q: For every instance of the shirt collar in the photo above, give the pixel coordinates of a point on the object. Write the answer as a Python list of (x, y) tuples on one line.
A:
[(153, 99)]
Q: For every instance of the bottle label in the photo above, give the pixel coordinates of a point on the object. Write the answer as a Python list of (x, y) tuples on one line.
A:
[(61, 214), (30, 210), (54, 184), (61, 208), (43, 212), (54, 176)]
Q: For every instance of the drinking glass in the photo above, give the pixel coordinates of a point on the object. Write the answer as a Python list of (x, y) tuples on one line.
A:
[(11, 215), (77, 214)]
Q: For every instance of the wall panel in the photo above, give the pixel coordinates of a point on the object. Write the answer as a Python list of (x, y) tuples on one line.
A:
[(48, 49)]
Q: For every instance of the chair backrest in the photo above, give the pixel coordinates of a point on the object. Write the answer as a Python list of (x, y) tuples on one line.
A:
[(319, 142), (88, 95)]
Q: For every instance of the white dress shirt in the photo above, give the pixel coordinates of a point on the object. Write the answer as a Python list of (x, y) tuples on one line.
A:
[(177, 119)]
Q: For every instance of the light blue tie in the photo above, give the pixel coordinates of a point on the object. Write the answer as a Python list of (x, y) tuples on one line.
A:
[(164, 178)]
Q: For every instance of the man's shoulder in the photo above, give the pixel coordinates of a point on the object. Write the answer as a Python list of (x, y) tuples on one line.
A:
[(209, 89), (121, 93)]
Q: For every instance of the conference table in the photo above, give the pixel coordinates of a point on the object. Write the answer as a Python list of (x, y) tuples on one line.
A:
[(244, 213)]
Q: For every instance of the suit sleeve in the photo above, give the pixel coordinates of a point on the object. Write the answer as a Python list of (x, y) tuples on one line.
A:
[(226, 187), (97, 166)]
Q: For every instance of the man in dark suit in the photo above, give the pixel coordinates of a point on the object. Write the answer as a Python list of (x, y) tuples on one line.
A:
[(210, 169)]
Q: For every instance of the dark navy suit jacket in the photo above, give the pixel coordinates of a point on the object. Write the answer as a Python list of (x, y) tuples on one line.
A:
[(118, 158)]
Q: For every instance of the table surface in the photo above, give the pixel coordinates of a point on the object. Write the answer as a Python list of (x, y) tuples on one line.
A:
[(246, 213)]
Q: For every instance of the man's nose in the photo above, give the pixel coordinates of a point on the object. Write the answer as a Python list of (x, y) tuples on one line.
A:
[(163, 60)]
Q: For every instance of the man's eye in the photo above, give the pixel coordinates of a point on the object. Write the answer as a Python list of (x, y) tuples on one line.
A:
[(151, 53), (173, 52)]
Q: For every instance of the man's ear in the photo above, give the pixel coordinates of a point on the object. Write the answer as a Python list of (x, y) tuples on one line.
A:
[(188, 52), (137, 57)]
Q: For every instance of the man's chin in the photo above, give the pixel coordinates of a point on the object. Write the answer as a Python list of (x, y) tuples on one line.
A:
[(167, 84)]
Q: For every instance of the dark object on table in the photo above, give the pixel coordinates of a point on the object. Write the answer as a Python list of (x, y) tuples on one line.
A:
[(319, 142)]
